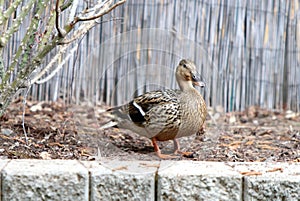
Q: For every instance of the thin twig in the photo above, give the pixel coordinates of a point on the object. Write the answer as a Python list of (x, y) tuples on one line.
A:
[(23, 114), (51, 63), (77, 19), (74, 64)]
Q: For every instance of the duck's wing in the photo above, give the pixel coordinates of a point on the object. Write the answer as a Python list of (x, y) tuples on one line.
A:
[(154, 107)]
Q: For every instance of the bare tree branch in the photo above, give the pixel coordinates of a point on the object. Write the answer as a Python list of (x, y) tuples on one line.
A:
[(66, 5), (23, 46), (84, 29), (60, 31), (9, 11), (39, 40), (104, 11), (16, 23)]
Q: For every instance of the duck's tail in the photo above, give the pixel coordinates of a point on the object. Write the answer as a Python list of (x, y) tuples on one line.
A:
[(115, 113), (108, 125)]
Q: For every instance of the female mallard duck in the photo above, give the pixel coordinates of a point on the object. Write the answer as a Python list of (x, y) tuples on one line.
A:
[(166, 114)]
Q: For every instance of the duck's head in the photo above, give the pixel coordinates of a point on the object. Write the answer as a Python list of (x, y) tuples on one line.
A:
[(187, 75)]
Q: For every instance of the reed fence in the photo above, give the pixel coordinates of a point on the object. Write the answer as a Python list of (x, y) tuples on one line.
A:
[(246, 51)]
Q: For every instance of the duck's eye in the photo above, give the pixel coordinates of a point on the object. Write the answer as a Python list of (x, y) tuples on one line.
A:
[(184, 66)]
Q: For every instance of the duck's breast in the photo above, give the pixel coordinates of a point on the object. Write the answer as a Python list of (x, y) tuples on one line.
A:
[(193, 114)]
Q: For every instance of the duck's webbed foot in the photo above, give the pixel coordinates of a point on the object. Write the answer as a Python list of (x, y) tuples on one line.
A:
[(183, 153), (158, 152)]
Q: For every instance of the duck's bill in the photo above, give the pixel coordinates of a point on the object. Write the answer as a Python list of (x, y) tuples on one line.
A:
[(200, 84), (196, 78)]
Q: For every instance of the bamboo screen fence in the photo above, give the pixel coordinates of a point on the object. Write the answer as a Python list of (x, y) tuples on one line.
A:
[(248, 53)]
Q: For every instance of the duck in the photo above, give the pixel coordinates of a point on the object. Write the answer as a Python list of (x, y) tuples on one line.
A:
[(167, 114)]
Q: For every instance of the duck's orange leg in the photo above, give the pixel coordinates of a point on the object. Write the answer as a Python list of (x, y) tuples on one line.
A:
[(178, 151), (158, 152)]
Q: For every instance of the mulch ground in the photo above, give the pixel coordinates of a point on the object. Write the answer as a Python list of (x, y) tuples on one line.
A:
[(59, 131)]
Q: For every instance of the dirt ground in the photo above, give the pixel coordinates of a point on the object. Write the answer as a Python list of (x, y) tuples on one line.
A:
[(59, 131)]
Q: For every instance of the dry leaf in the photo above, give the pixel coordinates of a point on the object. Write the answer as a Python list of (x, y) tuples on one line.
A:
[(251, 142), (275, 169), (251, 173), (120, 168), (267, 147)]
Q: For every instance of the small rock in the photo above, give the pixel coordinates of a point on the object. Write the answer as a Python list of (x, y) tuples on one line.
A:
[(45, 155), (232, 119), (7, 132), (37, 107), (290, 114)]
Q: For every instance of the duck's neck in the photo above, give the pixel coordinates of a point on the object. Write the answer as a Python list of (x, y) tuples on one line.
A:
[(186, 86)]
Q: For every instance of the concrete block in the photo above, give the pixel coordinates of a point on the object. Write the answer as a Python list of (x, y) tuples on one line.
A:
[(191, 180), (3, 163), (44, 180), (122, 180), (270, 181)]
